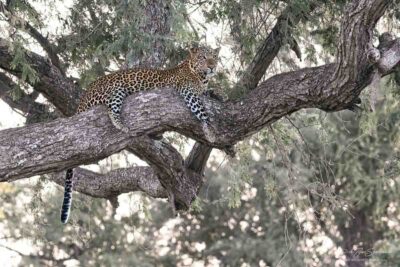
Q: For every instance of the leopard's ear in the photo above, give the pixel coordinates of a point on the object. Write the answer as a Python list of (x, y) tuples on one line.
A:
[(216, 50), (193, 50)]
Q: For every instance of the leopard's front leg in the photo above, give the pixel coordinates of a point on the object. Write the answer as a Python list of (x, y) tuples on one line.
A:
[(193, 101)]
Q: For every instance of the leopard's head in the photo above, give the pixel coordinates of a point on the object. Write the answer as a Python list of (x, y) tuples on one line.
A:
[(203, 60)]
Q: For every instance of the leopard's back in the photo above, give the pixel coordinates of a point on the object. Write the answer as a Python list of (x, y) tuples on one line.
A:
[(131, 81)]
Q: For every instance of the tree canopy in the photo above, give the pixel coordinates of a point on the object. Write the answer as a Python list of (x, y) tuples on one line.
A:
[(299, 166)]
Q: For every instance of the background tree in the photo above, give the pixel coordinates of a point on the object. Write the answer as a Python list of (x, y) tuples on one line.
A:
[(311, 189)]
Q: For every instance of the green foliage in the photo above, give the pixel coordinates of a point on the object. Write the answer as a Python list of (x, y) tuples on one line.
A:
[(110, 34), (386, 254), (25, 9), (239, 177), (328, 38), (28, 74), (247, 20)]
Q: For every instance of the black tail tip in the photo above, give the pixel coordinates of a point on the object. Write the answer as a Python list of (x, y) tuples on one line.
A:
[(64, 219)]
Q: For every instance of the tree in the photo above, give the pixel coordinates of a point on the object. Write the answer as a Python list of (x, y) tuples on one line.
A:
[(53, 146)]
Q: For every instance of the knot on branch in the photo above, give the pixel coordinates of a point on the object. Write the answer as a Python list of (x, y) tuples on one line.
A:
[(384, 41), (390, 53), (373, 55)]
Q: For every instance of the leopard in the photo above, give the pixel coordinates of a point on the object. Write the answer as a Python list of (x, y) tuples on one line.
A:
[(190, 78)]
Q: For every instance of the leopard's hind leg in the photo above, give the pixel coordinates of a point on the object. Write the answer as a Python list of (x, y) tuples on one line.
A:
[(114, 103)]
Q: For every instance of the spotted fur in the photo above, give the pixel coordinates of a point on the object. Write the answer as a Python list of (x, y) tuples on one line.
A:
[(190, 78)]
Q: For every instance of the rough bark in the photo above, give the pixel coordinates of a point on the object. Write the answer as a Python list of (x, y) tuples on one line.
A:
[(181, 183), (158, 25), (115, 182)]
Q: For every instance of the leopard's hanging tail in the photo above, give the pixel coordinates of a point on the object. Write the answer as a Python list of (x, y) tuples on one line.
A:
[(66, 206)]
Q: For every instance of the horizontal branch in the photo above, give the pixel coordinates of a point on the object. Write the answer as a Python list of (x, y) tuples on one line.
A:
[(115, 182), (124, 180), (64, 143)]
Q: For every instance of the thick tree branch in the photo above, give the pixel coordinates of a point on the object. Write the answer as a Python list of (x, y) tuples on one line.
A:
[(124, 180), (59, 90), (115, 182), (198, 156), (168, 164), (353, 66), (20, 23)]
